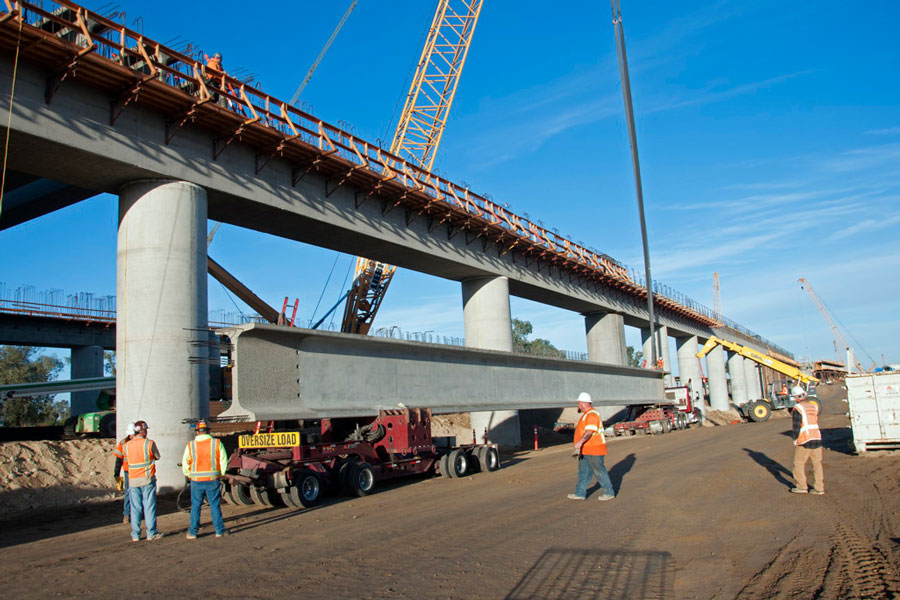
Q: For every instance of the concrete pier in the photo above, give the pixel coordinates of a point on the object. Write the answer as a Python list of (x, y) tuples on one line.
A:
[(605, 338), (87, 362), (689, 368), (752, 380), (662, 334), (488, 325), (718, 384), (738, 379), (162, 377)]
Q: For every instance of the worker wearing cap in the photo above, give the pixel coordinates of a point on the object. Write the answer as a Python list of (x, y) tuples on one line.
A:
[(590, 448), (807, 442), (204, 462), (120, 471), (141, 454)]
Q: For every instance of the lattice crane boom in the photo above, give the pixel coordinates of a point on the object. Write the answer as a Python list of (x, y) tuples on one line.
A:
[(826, 314), (418, 135)]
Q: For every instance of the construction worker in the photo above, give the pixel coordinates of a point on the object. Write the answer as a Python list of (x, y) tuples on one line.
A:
[(141, 454), (204, 462), (215, 75), (120, 472), (590, 448), (807, 442)]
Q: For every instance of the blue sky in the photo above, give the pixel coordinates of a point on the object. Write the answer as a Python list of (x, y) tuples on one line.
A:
[(769, 135)]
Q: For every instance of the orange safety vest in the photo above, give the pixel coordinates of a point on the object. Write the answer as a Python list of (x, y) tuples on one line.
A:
[(784, 390), (139, 459), (119, 452), (809, 429), (596, 444), (204, 457)]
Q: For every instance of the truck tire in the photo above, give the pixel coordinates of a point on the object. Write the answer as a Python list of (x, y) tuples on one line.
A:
[(444, 466), (489, 459), (69, 426), (457, 463), (108, 426), (306, 491), (240, 493), (361, 479), (342, 473), (759, 411), (667, 426)]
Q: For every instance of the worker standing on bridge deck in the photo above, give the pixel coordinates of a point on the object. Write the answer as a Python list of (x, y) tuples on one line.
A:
[(808, 442), (204, 462), (590, 448), (120, 472), (215, 75), (141, 455)]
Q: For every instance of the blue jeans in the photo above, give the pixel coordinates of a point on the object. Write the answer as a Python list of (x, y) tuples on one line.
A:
[(143, 503), (592, 465), (212, 491), (126, 510)]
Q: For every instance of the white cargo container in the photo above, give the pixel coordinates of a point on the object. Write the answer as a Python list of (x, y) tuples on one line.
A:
[(874, 401)]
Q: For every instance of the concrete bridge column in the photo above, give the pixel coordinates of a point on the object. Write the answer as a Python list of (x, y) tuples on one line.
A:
[(162, 316), (689, 368), (738, 379), (87, 362), (605, 338), (662, 334), (488, 325), (718, 385), (751, 380)]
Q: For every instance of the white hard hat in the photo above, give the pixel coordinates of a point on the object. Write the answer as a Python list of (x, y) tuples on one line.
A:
[(797, 391), (129, 429), (584, 397)]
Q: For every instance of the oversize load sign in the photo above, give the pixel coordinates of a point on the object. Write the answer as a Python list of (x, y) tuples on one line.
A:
[(283, 439)]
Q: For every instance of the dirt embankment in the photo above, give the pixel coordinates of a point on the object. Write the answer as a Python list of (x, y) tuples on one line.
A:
[(41, 475)]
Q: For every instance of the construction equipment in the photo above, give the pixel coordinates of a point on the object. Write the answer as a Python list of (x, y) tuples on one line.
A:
[(101, 422), (418, 135), (761, 409), (838, 337), (663, 417)]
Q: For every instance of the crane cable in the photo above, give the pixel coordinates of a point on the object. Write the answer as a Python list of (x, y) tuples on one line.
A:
[(12, 94), (319, 58)]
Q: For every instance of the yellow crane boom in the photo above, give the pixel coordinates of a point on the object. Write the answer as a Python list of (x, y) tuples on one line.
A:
[(758, 357), (418, 135)]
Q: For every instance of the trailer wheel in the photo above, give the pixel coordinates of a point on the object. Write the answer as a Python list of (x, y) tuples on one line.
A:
[(241, 494), (667, 426), (759, 411), (306, 491), (457, 463), (490, 459), (69, 427), (361, 479), (342, 474), (475, 460)]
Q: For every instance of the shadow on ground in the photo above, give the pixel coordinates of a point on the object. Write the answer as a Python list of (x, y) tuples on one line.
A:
[(598, 574), (621, 468), (778, 471)]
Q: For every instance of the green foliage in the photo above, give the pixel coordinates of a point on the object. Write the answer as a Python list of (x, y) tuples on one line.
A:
[(520, 332), (632, 358), (23, 364)]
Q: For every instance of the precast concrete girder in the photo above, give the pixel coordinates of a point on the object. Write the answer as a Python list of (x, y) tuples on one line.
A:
[(291, 373)]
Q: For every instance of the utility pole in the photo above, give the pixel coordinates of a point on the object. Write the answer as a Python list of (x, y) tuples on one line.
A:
[(655, 350)]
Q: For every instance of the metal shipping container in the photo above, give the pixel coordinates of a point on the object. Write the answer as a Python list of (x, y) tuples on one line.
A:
[(874, 410)]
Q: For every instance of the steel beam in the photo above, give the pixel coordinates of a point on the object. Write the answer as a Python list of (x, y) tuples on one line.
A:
[(292, 373)]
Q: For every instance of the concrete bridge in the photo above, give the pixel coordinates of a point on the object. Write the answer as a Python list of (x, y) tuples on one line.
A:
[(100, 108)]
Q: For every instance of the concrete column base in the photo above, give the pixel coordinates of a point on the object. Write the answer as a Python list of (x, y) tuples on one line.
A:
[(718, 384), (689, 369), (662, 335), (738, 381)]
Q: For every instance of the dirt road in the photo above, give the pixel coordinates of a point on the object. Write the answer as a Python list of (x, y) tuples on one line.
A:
[(703, 513)]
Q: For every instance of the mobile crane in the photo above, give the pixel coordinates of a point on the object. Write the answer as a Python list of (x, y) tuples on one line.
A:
[(761, 409)]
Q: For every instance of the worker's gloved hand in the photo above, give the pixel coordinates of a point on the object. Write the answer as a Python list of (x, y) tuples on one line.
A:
[(120, 484)]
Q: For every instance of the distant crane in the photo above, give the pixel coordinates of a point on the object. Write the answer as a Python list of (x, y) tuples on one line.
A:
[(321, 55), (838, 336), (717, 299), (418, 135)]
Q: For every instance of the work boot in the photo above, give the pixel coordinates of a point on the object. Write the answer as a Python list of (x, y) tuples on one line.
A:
[(155, 536), (575, 497), (223, 534), (191, 536), (605, 497), (125, 519), (817, 492), (797, 490)]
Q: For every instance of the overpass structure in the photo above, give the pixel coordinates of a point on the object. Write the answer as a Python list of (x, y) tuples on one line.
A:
[(98, 107)]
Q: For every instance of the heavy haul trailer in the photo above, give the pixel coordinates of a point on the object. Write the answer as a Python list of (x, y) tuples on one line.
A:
[(296, 467), (331, 395), (661, 418)]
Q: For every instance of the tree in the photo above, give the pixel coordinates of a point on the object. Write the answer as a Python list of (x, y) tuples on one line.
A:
[(23, 364), (632, 358), (520, 332)]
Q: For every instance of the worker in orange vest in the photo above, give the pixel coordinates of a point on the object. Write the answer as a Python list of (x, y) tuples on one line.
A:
[(215, 74), (807, 442), (141, 454), (120, 471), (204, 462), (590, 448)]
